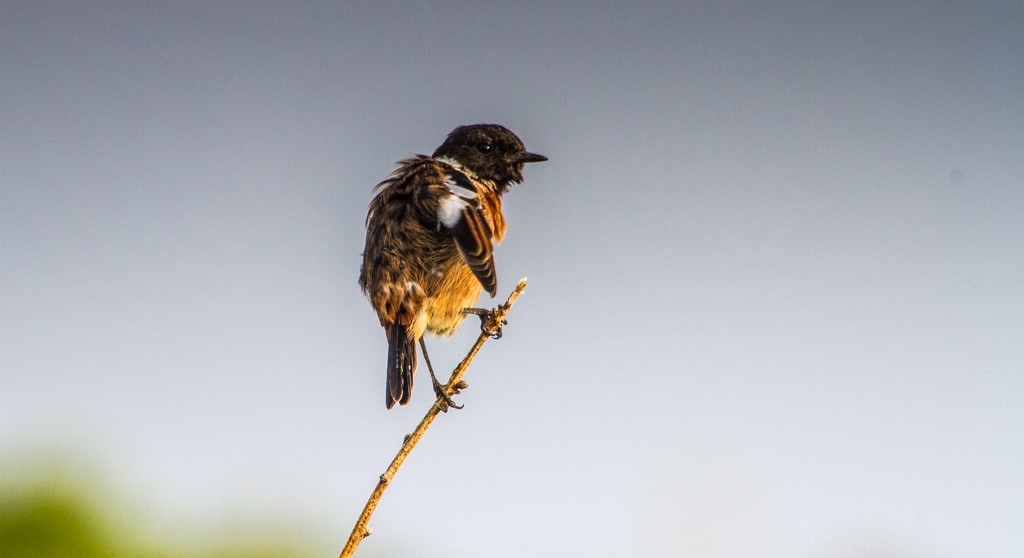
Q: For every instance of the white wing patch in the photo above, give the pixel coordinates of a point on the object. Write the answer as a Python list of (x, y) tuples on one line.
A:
[(462, 195), (450, 210)]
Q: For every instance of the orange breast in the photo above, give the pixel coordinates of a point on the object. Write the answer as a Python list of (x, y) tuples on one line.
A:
[(449, 294)]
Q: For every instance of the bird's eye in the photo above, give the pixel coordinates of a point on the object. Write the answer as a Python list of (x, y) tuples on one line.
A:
[(483, 147)]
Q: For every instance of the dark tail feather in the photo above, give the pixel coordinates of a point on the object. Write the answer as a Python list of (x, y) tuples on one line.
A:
[(401, 365)]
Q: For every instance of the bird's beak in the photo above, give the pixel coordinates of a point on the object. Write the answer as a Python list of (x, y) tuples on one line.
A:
[(526, 157)]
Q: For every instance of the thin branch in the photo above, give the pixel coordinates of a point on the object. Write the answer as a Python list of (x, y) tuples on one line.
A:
[(494, 322)]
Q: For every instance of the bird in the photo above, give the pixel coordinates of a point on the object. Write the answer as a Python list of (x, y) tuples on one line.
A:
[(431, 229)]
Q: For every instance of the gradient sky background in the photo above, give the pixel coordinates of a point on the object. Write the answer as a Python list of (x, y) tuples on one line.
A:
[(776, 263)]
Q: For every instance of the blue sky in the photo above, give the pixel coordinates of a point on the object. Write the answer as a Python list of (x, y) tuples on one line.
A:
[(775, 303)]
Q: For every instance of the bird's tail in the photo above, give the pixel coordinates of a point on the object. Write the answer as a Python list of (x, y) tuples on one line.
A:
[(401, 365), (403, 318)]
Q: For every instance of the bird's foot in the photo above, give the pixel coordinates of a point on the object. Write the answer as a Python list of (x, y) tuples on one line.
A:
[(488, 324), (444, 401)]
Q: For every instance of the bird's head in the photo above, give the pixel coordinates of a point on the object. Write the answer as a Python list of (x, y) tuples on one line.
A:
[(490, 151)]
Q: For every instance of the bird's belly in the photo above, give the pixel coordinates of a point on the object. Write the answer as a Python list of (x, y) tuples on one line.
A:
[(449, 295)]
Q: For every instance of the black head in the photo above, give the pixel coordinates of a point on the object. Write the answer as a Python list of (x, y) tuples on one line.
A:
[(490, 151)]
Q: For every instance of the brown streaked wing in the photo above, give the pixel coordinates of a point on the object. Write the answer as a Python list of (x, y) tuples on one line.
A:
[(473, 239)]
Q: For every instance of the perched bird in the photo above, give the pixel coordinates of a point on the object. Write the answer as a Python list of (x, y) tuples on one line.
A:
[(430, 232)]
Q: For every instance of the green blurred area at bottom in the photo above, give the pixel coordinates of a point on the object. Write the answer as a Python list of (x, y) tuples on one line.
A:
[(58, 517)]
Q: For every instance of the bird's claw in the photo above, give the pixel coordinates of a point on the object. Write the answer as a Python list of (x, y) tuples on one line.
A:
[(444, 400), (488, 324)]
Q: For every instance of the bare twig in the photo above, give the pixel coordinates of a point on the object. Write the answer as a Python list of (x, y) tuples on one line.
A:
[(494, 322)]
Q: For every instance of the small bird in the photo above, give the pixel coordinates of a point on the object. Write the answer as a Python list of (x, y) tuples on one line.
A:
[(430, 233)]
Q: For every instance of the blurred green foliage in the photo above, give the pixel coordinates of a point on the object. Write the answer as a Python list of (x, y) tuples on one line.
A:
[(43, 515), (44, 522)]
